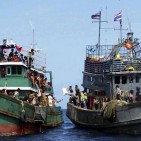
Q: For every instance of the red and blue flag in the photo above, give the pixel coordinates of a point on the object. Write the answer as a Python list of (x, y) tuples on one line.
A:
[(118, 17), (96, 16)]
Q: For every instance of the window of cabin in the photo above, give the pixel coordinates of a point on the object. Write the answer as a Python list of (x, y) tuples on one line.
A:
[(16, 70), (101, 80), (137, 79), (124, 79), (19, 70), (117, 79), (13, 70), (84, 77), (131, 79), (88, 78), (8, 70)]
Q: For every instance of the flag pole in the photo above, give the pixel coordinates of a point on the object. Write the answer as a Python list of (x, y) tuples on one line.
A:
[(120, 31), (99, 35)]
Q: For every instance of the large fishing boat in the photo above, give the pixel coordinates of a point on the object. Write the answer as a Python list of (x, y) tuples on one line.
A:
[(106, 69), (24, 85)]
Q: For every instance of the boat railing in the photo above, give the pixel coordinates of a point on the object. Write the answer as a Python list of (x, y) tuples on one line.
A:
[(113, 65)]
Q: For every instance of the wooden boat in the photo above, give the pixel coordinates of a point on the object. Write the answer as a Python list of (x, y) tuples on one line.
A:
[(105, 68), (127, 119), (18, 116)]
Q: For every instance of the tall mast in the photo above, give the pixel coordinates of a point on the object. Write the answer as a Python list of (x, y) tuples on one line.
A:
[(121, 32), (99, 35), (98, 16)]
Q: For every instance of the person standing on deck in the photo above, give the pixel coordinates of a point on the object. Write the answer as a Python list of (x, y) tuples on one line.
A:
[(16, 93), (50, 100), (84, 99), (118, 92), (78, 95), (138, 94)]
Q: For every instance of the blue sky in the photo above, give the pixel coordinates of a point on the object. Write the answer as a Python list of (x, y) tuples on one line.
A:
[(63, 28)]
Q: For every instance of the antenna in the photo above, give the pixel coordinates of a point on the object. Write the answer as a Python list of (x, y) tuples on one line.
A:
[(30, 22), (129, 23)]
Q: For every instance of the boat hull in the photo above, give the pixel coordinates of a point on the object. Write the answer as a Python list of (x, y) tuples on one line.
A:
[(93, 119), (15, 121)]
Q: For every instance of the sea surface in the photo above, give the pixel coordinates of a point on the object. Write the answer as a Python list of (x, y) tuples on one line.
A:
[(68, 132)]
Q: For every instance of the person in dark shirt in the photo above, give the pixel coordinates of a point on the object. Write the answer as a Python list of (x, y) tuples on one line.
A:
[(138, 94)]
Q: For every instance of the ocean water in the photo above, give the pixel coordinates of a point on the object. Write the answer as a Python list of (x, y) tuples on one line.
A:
[(69, 132)]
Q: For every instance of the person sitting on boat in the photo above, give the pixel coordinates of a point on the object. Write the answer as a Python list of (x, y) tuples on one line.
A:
[(55, 101), (130, 96), (16, 94), (43, 98), (78, 95), (35, 100), (16, 58), (104, 101), (26, 98), (96, 103), (39, 80), (3, 91), (2, 72), (49, 86), (32, 78), (138, 94), (72, 97), (22, 58), (44, 83), (30, 97), (118, 92), (50, 100), (10, 93), (11, 55), (26, 60), (69, 88), (3, 59)]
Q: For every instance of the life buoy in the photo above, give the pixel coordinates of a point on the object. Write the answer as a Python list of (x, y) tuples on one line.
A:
[(128, 45)]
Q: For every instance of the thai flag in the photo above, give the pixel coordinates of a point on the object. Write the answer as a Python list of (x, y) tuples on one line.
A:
[(118, 17), (96, 16)]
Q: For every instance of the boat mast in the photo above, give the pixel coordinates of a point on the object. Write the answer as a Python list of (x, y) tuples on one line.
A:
[(99, 20), (120, 31), (99, 35)]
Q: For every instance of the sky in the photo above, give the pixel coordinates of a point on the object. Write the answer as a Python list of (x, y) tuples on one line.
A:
[(63, 28)]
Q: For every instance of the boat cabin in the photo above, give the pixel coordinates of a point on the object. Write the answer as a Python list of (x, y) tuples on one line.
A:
[(17, 67), (116, 65)]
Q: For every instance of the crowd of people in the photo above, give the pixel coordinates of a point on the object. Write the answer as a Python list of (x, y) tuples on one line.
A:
[(33, 98), (38, 79), (129, 96), (84, 100), (16, 56)]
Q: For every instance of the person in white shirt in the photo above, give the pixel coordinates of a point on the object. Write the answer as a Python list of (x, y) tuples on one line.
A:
[(118, 92)]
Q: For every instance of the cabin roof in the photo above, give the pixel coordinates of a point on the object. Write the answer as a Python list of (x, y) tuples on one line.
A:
[(15, 88), (39, 71), (12, 64)]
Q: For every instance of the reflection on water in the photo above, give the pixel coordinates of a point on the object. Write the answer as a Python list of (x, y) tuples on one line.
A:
[(68, 132)]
